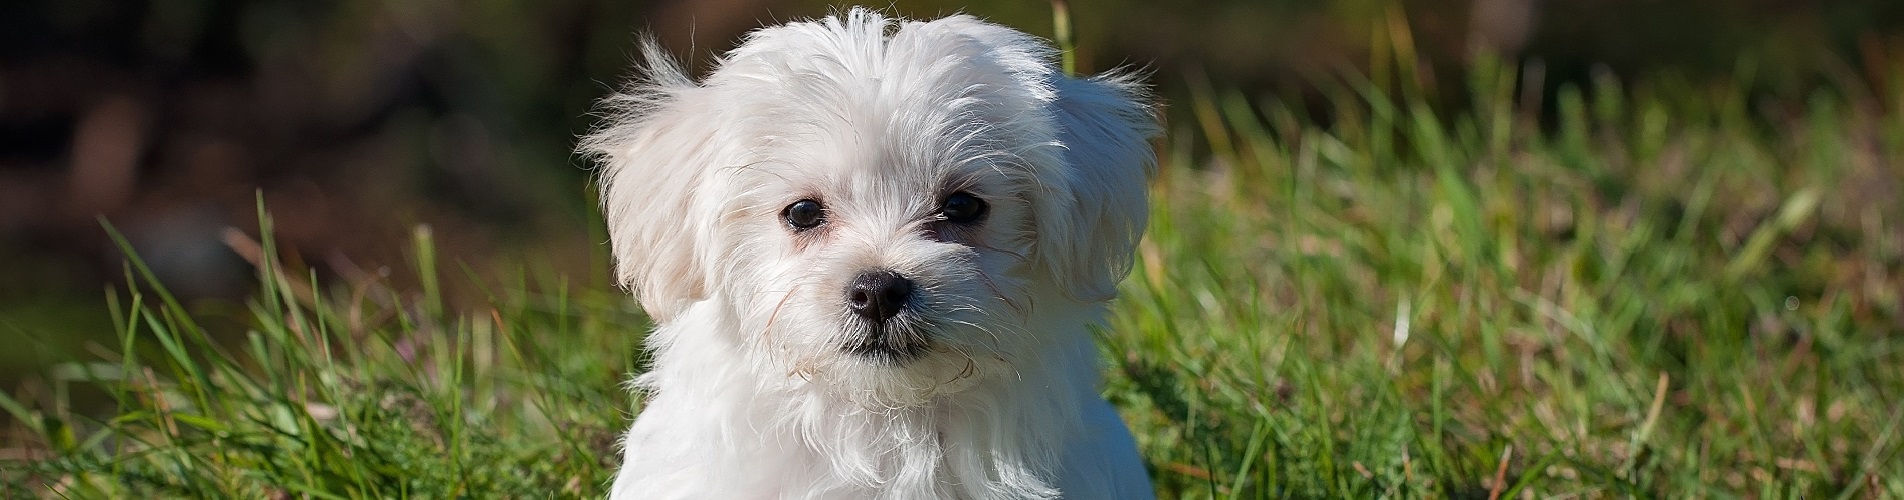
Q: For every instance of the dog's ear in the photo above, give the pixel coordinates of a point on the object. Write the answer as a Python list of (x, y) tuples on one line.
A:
[(1087, 233), (654, 154)]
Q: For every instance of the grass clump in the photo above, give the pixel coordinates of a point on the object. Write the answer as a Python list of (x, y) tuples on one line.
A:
[(352, 392), (1655, 293), (1659, 291)]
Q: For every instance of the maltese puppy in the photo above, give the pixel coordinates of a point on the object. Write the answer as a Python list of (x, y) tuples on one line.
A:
[(874, 249)]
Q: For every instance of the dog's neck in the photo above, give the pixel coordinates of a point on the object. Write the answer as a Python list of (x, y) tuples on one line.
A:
[(997, 438)]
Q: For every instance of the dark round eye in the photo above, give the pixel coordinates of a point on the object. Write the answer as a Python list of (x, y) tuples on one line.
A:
[(804, 214), (962, 208)]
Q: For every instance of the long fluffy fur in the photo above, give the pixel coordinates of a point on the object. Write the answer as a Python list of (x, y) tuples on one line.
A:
[(752, 394)]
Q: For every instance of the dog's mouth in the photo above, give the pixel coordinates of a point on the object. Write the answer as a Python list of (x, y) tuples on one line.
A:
[(895, 341)]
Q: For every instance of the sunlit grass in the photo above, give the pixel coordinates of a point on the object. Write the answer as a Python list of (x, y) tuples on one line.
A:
[(357, 391), (1650, 297)]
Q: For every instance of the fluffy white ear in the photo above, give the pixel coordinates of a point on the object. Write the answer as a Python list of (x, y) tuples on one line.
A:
[(1087, 233), (654, 154)]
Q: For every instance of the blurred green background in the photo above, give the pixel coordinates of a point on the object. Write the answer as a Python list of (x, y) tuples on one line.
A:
[(359, 120)]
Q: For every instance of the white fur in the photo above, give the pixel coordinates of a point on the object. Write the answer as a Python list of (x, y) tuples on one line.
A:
[(752, 394)]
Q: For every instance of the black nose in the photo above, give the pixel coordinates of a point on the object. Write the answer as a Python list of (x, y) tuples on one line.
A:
[(878, 295)]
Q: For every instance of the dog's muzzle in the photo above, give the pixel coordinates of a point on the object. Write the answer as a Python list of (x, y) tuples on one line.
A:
[(877, 297)]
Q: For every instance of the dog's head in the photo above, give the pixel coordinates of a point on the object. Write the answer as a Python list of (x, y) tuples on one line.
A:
[(891, 208)]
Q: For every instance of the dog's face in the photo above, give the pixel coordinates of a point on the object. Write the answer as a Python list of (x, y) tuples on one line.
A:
[(890, 211), (874, 257)]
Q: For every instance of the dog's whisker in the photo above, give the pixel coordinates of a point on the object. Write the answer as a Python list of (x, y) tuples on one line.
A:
[(754, 166), (1016, 254), (766, 332), (1001, 295), (996, 341)]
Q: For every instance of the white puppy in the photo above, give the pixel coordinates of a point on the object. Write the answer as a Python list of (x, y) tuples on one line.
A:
[(874, 248)]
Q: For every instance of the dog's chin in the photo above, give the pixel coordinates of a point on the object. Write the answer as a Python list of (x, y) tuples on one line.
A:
[(900, 365), (895, 342)]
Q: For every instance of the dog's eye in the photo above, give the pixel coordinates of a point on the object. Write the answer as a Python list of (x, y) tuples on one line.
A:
[(962, 208), (804, 214)]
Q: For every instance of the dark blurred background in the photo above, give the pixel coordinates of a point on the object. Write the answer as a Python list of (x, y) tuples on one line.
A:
[(358, 120)]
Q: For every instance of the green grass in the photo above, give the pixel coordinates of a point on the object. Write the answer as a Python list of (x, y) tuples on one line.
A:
[(1667, 290), (1652, 298), (358, 391)]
